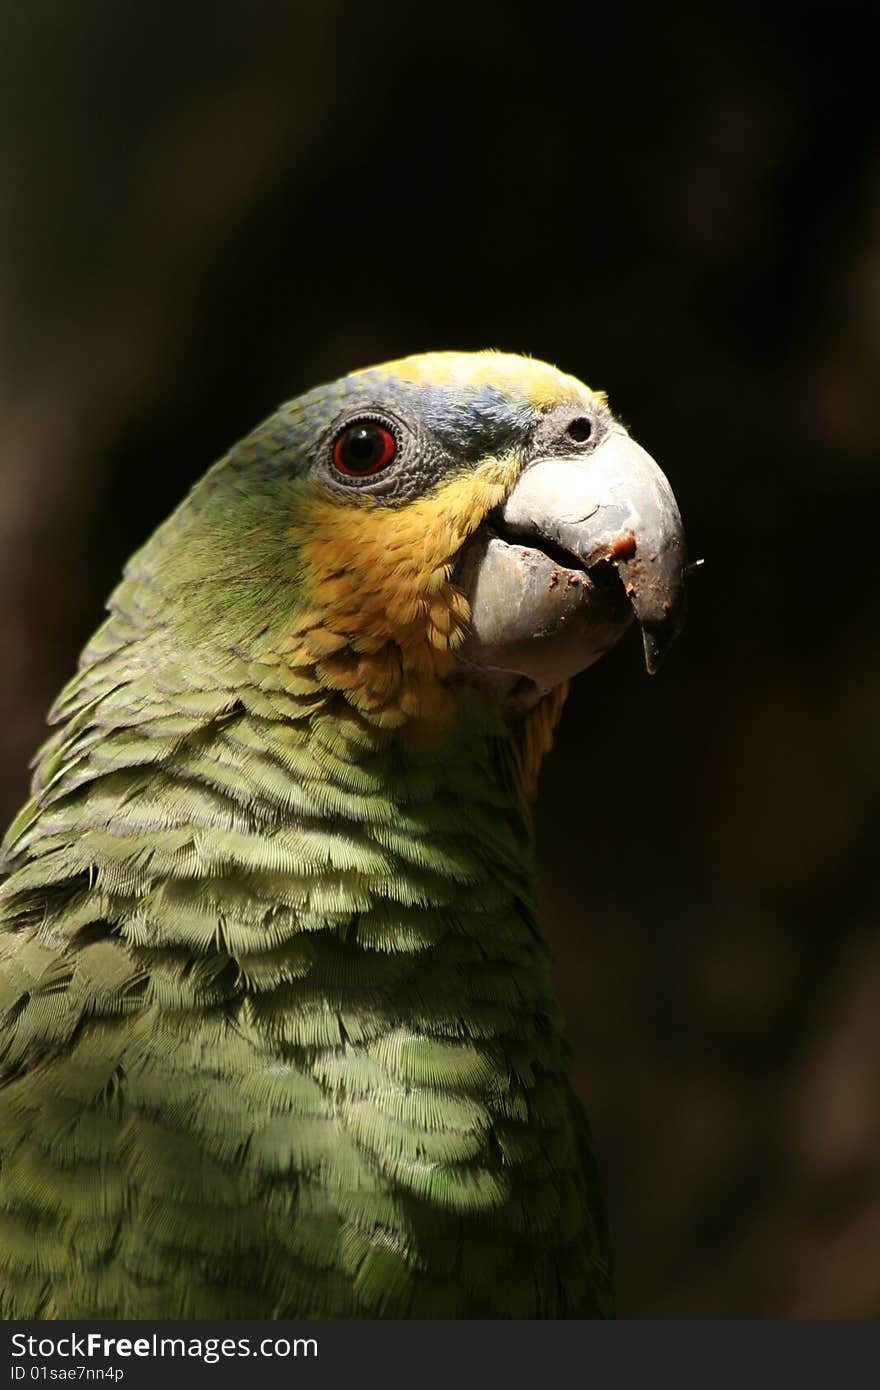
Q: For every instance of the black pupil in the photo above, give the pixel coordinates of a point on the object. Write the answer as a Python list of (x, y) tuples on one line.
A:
[(580, 429), (362, 447)]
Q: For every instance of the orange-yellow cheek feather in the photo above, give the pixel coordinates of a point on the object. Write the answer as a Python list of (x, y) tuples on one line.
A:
[(382, 616)]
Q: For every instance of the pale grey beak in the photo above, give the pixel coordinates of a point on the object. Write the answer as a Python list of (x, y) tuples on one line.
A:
[(584, 543)]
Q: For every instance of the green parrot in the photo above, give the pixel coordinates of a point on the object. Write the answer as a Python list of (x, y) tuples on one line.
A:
[(277, 1031)]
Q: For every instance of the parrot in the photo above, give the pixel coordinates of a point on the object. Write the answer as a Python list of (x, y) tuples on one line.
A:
[(278, 1033)]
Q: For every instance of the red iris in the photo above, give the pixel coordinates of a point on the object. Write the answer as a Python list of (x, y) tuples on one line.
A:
[(364, 448)]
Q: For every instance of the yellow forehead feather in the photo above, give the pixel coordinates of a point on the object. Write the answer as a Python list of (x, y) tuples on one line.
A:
[(541, 384)]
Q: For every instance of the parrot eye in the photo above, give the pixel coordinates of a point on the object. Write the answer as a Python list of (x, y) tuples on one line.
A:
[(580, 429), (363, 448)]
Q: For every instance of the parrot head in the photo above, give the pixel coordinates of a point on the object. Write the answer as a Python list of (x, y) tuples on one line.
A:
[(446, 521)]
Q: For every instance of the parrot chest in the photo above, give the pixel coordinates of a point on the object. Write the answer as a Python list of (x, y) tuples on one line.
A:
[(275, 1064)]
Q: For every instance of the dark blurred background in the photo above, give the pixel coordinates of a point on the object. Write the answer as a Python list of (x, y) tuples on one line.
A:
[(207, 208)]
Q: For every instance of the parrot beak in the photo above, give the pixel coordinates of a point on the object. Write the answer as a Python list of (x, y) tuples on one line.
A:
[(583, 544)]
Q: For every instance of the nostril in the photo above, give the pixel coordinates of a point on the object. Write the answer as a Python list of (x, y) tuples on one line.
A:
[(580, 429)]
